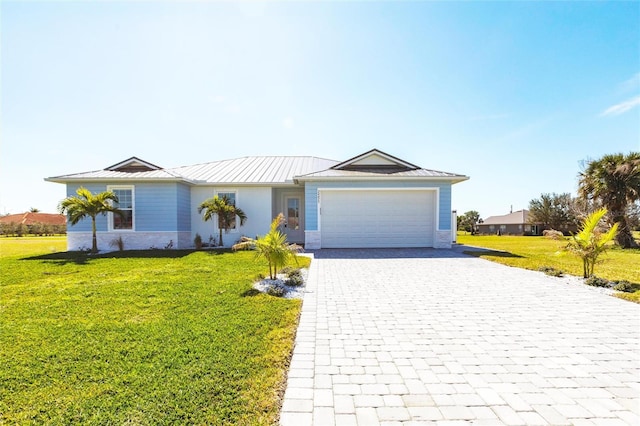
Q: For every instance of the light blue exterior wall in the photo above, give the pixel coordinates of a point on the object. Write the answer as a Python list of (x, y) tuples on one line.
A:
[(158, 206), (311, 198), (184, 207), (85, 224)]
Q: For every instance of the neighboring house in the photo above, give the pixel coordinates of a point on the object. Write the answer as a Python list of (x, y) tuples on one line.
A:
[(516, 223), (371, 200), (31, 218), (48, 222)]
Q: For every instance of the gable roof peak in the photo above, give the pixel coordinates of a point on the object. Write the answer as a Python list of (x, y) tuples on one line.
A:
[(375, 159), (133, 164)]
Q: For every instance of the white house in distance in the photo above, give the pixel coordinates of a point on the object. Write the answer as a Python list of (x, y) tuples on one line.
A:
[(371, 200)]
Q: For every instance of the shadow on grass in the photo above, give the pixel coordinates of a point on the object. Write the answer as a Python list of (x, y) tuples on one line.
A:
[(250, 293), (493, 253), (81, 258)]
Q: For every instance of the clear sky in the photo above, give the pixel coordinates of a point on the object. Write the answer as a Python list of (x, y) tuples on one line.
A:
[(513, 94)]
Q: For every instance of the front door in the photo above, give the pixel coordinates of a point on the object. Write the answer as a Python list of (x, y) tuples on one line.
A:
[(293, 219)]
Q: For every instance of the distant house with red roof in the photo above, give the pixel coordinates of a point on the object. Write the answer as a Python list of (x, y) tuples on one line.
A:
[(57, 222)]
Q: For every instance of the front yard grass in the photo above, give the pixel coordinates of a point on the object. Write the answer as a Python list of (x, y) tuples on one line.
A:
[(159, 337), (535, 252)]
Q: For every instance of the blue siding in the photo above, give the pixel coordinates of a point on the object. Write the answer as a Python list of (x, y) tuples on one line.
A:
[(311, 199), (158, 206), (184, 207), (85, 224), (445, 207)]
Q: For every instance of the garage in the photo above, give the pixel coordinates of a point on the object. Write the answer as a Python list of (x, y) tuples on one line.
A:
[(377, 218)]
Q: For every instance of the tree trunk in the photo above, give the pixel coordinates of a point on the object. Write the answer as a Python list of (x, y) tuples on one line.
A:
[(94, 245), (624, 238)]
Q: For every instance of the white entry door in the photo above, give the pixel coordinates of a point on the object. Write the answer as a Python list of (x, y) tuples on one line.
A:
[(377, 218)]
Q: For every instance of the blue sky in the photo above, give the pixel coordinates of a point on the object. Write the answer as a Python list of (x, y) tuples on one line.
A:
[(513, 94)]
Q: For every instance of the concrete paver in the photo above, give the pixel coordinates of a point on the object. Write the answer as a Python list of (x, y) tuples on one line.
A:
[(424, 336)]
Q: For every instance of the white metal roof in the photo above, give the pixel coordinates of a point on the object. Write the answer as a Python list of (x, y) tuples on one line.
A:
[(101, 175), (245, 170), (268, 170), (515, 218), (260, 170)]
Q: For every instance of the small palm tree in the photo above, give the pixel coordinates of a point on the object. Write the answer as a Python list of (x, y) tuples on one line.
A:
[(84, 204), (274, 247), (225, 211), (589, 243)]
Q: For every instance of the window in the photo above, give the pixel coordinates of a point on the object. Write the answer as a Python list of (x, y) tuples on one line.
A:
[(231, 198), (122, 222)]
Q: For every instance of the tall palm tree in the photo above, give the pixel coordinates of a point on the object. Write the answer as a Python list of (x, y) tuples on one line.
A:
[(614, 180), (224, 209), (84, 204)]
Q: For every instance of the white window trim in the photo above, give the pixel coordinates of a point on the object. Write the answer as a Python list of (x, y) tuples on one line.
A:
[(133, 208), (217, 193)]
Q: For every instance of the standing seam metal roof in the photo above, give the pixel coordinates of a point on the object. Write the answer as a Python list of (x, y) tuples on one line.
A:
[(247, 170), (255, 170)]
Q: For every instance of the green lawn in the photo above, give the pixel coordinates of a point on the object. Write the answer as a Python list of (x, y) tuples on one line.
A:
[(534, 252), (159, 337)]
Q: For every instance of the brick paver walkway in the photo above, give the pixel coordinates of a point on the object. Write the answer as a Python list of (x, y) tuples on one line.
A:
[(433, 337)]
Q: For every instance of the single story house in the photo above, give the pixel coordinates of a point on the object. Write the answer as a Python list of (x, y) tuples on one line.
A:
[(514, 223), (371, 200)]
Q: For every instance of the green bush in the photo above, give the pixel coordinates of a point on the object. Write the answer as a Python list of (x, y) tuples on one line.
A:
[(624, 285), (295, 281), (276, 290), (549, 270), (597, 282)]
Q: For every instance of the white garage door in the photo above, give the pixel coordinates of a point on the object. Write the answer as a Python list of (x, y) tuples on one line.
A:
[(377, 218)]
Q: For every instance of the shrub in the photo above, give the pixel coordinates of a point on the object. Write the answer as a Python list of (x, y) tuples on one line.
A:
[(197, 241), (287, 270), (624, 286), (276, 290), (294, 277), (597, 282), (117, 242), (552, 234), (551, 271)]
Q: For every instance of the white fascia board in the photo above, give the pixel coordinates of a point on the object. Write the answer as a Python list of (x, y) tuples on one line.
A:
[(118, 179), (451, 180)]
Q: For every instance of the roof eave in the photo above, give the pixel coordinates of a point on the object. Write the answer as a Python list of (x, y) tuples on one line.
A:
[(452, 179), (122, 179)]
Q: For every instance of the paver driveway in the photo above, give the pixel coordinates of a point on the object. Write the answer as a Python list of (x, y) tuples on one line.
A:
[(421, 336)]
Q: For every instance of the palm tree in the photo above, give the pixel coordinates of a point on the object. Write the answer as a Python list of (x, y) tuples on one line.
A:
[(589, 243), (273, 247), (614, 180), (84, 204), (224, 210)]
